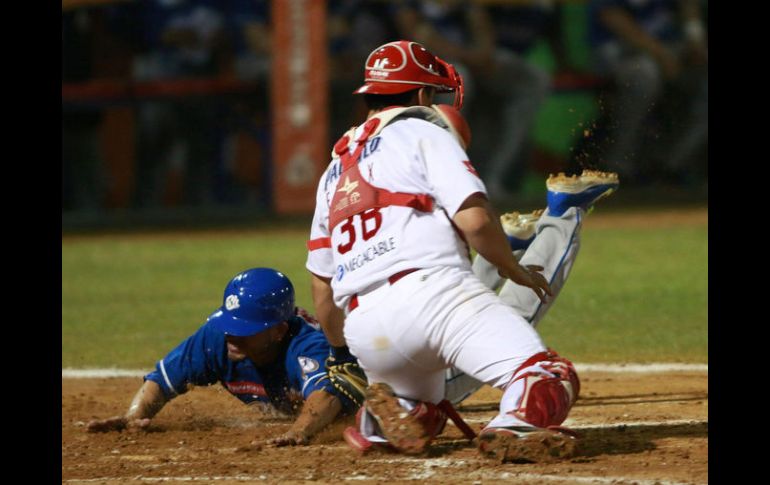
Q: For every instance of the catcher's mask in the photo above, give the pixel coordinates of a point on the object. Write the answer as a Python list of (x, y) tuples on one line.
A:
[(397, 67), (254, 301)]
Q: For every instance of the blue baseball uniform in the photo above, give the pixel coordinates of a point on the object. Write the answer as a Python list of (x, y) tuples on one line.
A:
[(201, 359)]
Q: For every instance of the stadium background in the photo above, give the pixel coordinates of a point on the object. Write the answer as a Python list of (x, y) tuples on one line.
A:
[(251, 159)]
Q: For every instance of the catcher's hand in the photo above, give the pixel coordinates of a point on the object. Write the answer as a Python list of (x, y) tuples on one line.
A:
[(348, 378)]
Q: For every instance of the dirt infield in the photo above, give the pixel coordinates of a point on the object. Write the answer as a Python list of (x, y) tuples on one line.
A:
[(635, 428)]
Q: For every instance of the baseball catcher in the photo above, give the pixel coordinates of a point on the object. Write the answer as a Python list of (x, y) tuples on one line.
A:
[(397, 212)]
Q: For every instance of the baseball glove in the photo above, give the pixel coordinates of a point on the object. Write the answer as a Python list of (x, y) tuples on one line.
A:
[(348, 378)]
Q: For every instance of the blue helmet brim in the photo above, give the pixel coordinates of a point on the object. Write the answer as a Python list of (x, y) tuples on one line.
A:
[(225, 322)]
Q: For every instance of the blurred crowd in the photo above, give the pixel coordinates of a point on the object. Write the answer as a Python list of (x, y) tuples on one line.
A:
[(649, 59)]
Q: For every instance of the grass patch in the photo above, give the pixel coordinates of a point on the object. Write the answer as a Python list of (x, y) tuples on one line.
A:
[(126, 301), (635, 294)]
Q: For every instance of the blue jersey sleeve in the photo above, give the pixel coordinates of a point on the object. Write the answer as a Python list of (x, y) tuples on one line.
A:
[(306, 364), (305, 360), (200, 360)]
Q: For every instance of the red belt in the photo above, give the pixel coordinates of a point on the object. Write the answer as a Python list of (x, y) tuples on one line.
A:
[(353, 304)]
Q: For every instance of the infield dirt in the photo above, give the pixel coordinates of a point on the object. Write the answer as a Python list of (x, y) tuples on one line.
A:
[(635, 428)]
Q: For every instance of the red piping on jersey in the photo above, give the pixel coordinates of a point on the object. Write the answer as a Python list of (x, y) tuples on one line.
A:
[(319, 243)]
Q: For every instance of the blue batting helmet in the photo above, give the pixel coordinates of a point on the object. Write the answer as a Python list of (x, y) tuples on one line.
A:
[(254, 300)]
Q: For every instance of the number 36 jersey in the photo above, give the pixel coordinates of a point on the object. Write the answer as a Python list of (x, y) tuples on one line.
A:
[(409, 156)]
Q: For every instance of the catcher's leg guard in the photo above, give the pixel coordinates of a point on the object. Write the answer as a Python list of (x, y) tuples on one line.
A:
[(542, 391), (535, 402)]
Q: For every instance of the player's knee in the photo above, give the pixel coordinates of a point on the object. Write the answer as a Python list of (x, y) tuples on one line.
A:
[(550, 388)]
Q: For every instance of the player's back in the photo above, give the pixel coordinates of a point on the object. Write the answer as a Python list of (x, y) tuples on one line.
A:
[(409, 156)]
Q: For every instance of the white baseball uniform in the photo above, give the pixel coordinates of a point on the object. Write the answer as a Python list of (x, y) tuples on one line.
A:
[(406, 238), (408, 332)]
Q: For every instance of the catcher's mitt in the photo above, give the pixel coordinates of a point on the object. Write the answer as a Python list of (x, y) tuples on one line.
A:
[(348, 378)]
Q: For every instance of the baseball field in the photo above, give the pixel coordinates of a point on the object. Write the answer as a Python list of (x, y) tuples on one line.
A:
[(633, 317)]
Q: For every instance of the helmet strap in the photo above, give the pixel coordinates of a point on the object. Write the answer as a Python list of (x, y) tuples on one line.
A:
[(460, 89)]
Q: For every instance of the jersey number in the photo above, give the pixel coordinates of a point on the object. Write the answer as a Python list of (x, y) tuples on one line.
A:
[(366, 232)]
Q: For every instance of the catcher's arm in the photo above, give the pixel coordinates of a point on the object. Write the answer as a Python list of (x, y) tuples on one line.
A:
[(149, 399), (319, 410), (332, 318), (482, 229), (344, 372)]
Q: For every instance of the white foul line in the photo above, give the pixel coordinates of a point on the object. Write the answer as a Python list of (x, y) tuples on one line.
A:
[(643, 368), (69, 373), (571, 424), (652, 368), (429, 465)]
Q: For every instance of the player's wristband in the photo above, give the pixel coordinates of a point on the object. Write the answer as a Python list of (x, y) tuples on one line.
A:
[(341, 354)]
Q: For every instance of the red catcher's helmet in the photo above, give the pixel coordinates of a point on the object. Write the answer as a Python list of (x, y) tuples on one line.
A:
[(397, 67)]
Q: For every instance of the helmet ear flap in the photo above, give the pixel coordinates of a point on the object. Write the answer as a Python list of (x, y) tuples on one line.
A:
[(459, 90)]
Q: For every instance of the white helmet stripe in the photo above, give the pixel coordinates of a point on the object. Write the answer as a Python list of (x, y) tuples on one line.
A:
[(424, 68), (381, 68)]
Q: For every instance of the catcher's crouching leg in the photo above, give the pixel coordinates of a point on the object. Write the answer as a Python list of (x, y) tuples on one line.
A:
[(536, 401), (388, 422)]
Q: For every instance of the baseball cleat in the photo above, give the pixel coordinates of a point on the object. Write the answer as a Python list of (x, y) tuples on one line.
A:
[(359, 443), (520, 228), (517, 444), (402, 430), (579, 191)]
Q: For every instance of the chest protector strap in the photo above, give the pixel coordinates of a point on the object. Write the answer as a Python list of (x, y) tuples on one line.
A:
[(353, 194)]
